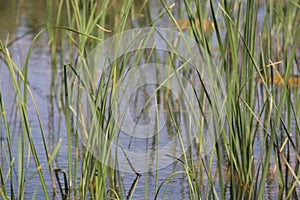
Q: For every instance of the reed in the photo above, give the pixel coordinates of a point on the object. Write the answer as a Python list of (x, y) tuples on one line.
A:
[(236, 29), (253, 45)]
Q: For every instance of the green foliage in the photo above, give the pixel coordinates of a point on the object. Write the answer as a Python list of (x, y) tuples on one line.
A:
[(254, 43)]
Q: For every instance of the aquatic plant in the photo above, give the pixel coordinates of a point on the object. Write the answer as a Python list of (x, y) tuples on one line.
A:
[(253, 46)]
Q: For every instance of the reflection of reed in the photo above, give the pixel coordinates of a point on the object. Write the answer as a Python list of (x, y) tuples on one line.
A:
[(143, 110), (278, 79)]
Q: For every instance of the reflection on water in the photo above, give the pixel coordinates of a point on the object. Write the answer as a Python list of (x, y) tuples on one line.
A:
[(18, 17), (8, 18), (21, 20)]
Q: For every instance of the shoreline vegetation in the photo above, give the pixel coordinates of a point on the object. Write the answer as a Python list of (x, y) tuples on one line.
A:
[(254, 43)]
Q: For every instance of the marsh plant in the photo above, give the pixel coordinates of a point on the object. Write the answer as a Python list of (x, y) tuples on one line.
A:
[(182, 99)]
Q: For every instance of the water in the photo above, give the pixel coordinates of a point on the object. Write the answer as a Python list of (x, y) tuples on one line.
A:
[(20, 22)]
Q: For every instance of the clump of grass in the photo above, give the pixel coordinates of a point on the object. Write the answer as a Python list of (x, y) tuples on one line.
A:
[(239, 31), (258, 139), (25, 139)]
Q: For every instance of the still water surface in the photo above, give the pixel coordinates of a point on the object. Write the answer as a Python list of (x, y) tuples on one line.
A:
[(19, 23)]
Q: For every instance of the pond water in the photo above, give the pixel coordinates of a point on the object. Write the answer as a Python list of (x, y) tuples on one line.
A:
[(19, 23)]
